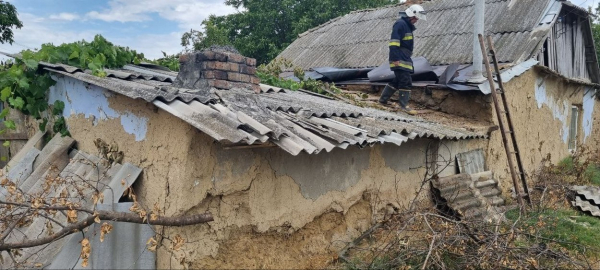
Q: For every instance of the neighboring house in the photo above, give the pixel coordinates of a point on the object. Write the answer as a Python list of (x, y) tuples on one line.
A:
[(545, 49), (289, 176)]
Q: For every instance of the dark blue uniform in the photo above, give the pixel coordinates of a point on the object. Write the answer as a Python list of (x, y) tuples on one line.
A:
[(401, 48), (401, 45)]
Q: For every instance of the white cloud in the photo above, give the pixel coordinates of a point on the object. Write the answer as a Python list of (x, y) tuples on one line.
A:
[(37, 31), (64, 16), (187, 13), (151, 44)]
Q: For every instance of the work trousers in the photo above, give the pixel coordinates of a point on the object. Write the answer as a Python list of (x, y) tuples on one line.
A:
[(402, 82)]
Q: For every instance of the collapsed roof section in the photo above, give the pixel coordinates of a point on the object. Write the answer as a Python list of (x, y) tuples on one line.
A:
[(295, 121)]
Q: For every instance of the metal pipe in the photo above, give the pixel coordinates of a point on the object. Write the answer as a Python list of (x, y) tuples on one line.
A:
[(478, 28)]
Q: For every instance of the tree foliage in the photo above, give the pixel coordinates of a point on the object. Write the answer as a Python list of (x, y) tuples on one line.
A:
[(8, 21), (262, 29), (25, 87), (596, 28)]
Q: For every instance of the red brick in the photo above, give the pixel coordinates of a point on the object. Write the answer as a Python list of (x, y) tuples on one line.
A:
[(251, 71), (206, 55), (209, 65), (209, 74), (221, 65), (233, 76), (220, 75), (234, 67), (236, 58), (256, 88), (251, 62), (244, 78), (184, 58), (221, 84), (254, 80), (221, 57)]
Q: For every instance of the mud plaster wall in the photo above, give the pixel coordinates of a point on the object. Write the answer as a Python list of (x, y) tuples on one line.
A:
[(271, 209), (540, 106)]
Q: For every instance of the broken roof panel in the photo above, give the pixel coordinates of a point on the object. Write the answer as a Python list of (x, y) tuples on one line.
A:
[(58, 159), (445, 38), (292, 120)]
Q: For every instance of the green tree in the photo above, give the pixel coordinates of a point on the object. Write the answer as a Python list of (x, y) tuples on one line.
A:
[(596, 28), (8, 20), (263, 28)]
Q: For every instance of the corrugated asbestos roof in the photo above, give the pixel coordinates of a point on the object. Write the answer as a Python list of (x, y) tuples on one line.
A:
[(360, 39), (29, 169), (587, 199), (472, 196), (293, 120)]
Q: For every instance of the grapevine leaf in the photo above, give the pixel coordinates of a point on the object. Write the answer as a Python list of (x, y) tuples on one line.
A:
[(4, 112), (16, 102), (32, 64), (5, 93), (10, 124), (6, 143)]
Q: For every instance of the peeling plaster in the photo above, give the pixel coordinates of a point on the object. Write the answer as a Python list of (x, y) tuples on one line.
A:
[(589, 101), (92, 102), (559, 111)]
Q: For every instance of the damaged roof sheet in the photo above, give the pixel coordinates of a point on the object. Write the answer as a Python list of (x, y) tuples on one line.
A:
[(294, 120), (29, 169), (360, 39)]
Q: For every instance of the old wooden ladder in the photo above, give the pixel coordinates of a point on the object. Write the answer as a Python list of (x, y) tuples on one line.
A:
[(504, 115)]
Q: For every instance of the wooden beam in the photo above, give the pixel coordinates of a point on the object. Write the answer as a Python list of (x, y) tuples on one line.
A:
[(13, 136)]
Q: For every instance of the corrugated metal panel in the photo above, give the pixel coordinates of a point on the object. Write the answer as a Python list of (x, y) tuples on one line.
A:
[(471, 162), (55, 160), (445, 38)]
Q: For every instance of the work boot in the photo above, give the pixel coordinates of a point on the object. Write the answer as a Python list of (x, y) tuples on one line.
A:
[(404, 98), (409, 111), (386, 94)]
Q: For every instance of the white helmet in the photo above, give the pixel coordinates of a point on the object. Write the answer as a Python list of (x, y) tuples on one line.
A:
[(416, 11)]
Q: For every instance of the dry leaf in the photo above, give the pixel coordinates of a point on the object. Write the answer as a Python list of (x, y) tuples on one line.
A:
[(4, 182), (71, 216), (96, 218), (38, 265), (152, 244), (86, 249), (105, 229), (178, 242), (123, 183)]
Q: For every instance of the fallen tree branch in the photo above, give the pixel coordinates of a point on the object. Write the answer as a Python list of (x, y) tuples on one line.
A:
[(428, 253), (111, 216)]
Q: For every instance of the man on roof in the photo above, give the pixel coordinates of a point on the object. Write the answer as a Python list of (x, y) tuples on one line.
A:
[(401, 48)]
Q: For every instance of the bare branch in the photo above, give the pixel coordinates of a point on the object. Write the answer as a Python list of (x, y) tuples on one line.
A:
[(12, 227), (111, 216)]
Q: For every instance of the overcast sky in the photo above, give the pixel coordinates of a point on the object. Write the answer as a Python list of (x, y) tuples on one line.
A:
[(148, 26)]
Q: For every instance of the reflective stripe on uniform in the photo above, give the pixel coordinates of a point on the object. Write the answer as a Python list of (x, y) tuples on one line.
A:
[(395, 42), (408, 36), (402, 64)]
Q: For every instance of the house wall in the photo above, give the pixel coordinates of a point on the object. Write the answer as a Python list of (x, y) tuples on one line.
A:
[(540, 106), (271, 209)]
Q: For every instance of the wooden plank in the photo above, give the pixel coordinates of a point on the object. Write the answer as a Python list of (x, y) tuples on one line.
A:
[(14, 136)]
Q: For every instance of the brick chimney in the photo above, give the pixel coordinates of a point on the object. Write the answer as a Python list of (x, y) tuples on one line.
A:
[(221, 68)]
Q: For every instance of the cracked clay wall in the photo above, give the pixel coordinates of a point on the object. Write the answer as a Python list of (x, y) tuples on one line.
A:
[(271, 209), (540, 106)]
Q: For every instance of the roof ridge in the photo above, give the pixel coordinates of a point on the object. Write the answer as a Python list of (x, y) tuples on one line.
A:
[(340, 17)]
